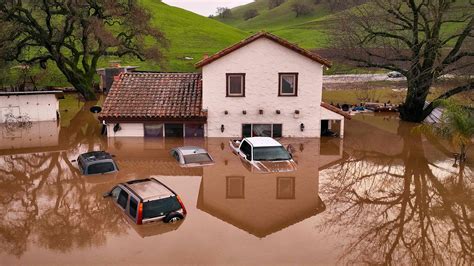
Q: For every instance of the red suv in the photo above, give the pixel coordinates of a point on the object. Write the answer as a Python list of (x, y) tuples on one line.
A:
[(148, 200)]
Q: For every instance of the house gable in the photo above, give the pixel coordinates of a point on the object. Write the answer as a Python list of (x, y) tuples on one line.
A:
[(268, 36)]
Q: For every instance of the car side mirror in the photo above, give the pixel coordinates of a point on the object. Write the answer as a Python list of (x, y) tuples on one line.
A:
[(107, 194), (73, 161)]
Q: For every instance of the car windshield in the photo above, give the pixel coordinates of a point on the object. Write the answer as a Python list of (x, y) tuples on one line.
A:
[(270, 154), (197, 158), (157, 208)]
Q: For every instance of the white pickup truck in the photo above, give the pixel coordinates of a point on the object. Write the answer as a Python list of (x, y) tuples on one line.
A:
[(264, 153)]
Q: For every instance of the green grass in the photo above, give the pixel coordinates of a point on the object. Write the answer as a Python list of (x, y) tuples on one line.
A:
[(189, 35), (283, 22)]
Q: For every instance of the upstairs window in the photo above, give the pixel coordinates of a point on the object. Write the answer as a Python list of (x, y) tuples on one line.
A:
[(288, 84), (236, 85)]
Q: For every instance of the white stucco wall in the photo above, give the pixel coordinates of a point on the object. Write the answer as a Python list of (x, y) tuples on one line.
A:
[(41, 107), (128, 130), (261, 61)]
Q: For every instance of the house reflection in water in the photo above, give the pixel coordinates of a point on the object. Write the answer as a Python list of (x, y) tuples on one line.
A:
[(37, 135), (262, 204)]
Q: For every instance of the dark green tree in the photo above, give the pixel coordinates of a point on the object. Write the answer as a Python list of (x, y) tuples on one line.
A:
[(75, 35)]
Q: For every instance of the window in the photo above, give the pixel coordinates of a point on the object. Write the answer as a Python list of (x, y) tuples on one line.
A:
[(285, 188), (157, 208), (197, 158), (246, 130), (246, 149), (288, 84), (277, 131), (235, 187), (153, 130), (115, 193), (194, 130), (122, 199), (174, 130), (235, 85), (101, 168), (262, 130), (270, 154), (133, 207)]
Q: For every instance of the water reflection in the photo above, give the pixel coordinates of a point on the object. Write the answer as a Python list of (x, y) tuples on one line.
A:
[(387, 195), (402, 205), (261, 204)]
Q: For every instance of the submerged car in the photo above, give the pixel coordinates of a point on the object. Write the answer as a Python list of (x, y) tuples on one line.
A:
[(148, 200), (264, 153), (191, 156), (96, 162)]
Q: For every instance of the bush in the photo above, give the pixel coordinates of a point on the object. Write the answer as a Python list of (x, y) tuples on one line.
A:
[(301, 9), (274, 3), (251, 13)]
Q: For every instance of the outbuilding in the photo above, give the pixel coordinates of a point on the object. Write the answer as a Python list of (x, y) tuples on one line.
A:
[(30, 106)]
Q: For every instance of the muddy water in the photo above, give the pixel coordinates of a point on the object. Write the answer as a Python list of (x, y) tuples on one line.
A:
[(384, 195)]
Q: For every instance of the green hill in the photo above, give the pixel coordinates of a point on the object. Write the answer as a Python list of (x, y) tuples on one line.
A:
[(308, 31), (190, 35)]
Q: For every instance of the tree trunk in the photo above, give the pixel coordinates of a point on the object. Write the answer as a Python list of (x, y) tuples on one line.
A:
[(412, 109), (80, 82)]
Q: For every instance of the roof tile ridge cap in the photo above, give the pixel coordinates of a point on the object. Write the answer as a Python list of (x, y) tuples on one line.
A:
[(250, 38)]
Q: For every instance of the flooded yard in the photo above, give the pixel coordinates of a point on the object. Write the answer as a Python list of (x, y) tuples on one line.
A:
[(382, 195)]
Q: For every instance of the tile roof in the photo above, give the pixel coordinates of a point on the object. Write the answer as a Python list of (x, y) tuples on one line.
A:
[(154, 96), (269, 36), (336, 110)]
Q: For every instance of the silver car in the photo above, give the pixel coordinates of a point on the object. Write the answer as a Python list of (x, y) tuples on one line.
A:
[(191, 156)]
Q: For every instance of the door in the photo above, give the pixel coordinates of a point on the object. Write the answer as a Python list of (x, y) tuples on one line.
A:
[(174, 130)]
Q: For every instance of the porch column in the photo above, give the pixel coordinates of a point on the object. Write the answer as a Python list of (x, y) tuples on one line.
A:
[(341, 134)]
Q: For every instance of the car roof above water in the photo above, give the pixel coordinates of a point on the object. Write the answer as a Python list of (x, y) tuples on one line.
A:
[(263, 142), (188, 150), (149, 189), (95, 156)]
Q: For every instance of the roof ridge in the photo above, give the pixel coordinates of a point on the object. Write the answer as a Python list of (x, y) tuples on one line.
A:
[(263, 34)]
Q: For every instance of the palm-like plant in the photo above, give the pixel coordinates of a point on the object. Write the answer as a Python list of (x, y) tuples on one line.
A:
[(456, 125)]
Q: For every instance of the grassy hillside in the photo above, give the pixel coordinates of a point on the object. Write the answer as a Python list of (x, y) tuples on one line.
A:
[(308, 31), (189, 34)]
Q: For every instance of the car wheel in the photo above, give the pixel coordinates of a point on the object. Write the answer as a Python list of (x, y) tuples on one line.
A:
[(173, 217)]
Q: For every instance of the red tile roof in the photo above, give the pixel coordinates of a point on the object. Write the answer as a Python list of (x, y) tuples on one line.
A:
[(335, 110), (269, 36), (154, 96)]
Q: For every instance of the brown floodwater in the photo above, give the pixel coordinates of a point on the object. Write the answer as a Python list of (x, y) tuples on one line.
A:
[(383, 195)]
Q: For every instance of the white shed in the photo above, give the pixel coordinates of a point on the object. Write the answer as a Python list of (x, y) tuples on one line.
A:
[(32, 106)]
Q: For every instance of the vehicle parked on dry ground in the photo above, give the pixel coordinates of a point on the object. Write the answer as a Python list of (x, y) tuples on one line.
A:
[(148, 200), (191, 156), (96, 162), (394, 74), (264, 153)]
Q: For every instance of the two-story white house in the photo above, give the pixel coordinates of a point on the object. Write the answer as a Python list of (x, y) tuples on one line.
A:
[(261, 86)]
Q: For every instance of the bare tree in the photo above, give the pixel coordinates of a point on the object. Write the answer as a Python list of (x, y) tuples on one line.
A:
[(415, 38), (75, 34), (251, 13), (401, 208), (301, 9), (275, 3), (224, 12)]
